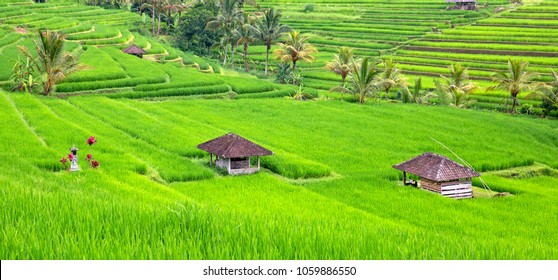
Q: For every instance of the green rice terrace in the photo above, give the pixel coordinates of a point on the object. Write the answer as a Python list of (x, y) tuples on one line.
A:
[(144, 190)]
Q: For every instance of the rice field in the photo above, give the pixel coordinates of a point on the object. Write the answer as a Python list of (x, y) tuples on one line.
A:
[(155, 197), (328, 192)]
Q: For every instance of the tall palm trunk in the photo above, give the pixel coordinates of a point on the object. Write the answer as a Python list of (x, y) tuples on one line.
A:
[(245, 56), (514, 102), (153, 18), (158, 22), (268, 47), (232, 55)]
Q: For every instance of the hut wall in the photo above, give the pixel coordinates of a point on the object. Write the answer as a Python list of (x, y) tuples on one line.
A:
[(457, 189), (240, 163), (430, 185), (223, 163)]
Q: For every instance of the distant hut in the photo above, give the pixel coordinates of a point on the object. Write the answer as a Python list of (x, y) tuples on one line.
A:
[(135, 50), (462, 4), (233, 153), (439, 174)]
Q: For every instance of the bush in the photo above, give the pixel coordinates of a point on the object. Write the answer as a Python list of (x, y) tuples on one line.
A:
[(308, 8)]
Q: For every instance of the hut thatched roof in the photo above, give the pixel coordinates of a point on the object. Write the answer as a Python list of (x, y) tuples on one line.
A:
[(133, 49), (231, 145), (436, 168)]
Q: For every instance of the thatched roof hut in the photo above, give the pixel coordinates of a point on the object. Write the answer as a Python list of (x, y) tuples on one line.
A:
[(233, 152), (135, 50), (440, 174)]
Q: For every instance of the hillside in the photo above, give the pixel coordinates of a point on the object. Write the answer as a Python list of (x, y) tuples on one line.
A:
[(328, 192)]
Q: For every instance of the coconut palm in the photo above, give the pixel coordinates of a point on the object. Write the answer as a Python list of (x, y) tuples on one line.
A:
[(269, 29), (341, 63), (548, 93), (52, 60), (417, 94), (294, 49), (227, 19), (515, 80), (364, 79), (456, 87), (391, 76), (245, 34)]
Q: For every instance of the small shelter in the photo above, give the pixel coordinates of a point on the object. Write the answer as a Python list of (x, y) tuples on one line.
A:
[(463, 4), (233, 153), (439, 174), (135, 50)]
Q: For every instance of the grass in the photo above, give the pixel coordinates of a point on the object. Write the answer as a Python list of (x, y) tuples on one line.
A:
[(134, 202), (328, 192)]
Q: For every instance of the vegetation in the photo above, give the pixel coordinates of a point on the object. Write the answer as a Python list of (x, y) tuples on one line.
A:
[(269, 29), (52, 59), (151, 194), (294, 49), (515, 80)]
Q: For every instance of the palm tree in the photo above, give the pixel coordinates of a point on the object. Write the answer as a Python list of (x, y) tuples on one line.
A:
[(155, 6), (341, 63), (417, 94), (295, 48), (548, 93), (227, 19), (457, 87), (363, 79), (245, 34), (391, 76), (52, 60), (269, 29), (515, 80)]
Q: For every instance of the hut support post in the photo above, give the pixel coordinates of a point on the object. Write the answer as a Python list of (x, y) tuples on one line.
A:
[(210, 159), (229, 167), (258, 163), (404, 178)]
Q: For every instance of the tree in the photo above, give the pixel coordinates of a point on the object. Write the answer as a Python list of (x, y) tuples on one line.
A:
[(417, 94), (245, 34), (364, 79), (391, 76), (269, 29), (456, 87), (155, 6), (23, 71), (515, 80), (192, 32), (295, 48), (52, 60), (227, 20), (548, 94), (341, 63)]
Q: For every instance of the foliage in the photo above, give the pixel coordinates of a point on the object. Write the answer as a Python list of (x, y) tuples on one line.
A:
[(391, 76), (548, 93), (268, 29), (341, 63), (457, 86), (364, 79), (23, 75), (294, 49), (193, 34), (53, 61), (515, 80), (417, 94), (308, 8)]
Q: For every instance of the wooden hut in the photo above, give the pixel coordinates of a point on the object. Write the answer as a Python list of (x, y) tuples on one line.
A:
[(233, 152), (135, 50), (440, 174), (462, 4)]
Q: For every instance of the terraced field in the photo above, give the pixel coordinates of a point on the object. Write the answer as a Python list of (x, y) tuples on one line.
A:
[(480, 40), (328, 192)]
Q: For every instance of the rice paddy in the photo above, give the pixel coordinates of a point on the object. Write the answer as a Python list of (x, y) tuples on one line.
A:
[(328, 192)]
